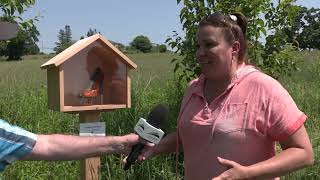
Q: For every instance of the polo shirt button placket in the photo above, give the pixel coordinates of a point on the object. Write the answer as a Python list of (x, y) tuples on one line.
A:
[(206, 112)]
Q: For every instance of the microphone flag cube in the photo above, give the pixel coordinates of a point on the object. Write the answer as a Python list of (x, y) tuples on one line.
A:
[(148, 132)]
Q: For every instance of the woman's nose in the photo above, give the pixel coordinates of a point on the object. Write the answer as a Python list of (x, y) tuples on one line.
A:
[(201, 51)]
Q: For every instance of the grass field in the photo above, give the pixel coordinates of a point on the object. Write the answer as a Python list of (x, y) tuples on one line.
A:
[(23, 101)]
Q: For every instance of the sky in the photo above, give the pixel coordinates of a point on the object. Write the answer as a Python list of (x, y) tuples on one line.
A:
[(117, 20)]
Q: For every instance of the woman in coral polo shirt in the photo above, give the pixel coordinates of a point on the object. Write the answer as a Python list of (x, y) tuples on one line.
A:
[(233, 114)]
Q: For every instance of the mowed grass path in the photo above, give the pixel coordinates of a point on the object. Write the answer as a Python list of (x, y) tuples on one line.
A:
[(23, 101)]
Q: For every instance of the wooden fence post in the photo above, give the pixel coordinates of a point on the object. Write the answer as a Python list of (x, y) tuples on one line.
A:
[(90, 168)]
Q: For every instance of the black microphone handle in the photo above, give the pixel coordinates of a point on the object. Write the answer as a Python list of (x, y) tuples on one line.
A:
[(135, 152)]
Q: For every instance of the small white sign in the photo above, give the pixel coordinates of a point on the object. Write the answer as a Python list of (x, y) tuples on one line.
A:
[(93, 129)]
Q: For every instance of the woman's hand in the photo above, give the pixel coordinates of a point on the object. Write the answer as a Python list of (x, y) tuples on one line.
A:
[(166, 145), (235, 170), (297, 153), (147, 152)]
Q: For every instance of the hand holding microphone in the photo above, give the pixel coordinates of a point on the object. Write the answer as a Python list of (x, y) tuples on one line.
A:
[(149, 130)]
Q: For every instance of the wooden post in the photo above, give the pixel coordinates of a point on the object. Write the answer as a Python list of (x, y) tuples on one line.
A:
[(90, 168)]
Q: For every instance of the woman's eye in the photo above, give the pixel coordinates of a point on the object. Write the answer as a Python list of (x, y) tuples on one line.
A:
[(209, 44)]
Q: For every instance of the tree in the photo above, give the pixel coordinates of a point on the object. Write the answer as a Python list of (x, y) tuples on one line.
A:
[(21, 45), (162, 48), (31, 37), (92, 32), (15, 47), (308, 28), (141, 43), (64, 39), (28, 35), (31, 47), (276, 17), (67, 33), (12, 7)]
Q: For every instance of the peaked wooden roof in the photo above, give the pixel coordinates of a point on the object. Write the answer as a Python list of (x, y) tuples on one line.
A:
[(81, 44)]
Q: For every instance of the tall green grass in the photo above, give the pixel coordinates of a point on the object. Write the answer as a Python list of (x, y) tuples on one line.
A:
[(304, 87), (23, 101)]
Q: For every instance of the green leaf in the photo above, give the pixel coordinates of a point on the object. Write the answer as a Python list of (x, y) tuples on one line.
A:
[(167, 40), (263, 30), (260, 22), (11, 10)]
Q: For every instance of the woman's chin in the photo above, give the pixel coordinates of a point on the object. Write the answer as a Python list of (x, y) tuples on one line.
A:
[(211, 75)]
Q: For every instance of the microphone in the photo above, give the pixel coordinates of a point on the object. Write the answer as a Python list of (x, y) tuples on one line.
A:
[(149, 130)]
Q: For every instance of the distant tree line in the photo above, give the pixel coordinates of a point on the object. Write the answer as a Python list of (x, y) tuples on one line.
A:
[(140, 44)]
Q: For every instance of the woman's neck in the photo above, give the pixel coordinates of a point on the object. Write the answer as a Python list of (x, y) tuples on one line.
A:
[(214, 87)]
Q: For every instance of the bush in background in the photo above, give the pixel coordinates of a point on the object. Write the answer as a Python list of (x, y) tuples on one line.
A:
[(141, 43)]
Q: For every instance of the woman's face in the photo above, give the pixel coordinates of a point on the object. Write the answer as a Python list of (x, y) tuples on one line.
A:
[(214, 54)]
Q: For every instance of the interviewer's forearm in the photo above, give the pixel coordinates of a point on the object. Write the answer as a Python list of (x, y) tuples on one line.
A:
[(68, 147)]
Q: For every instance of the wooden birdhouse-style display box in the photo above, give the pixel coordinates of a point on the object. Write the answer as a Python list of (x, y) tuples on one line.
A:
[(90, 75)]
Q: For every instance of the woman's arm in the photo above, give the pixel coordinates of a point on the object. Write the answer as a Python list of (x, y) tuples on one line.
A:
[(68, 147), (297, 153)]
